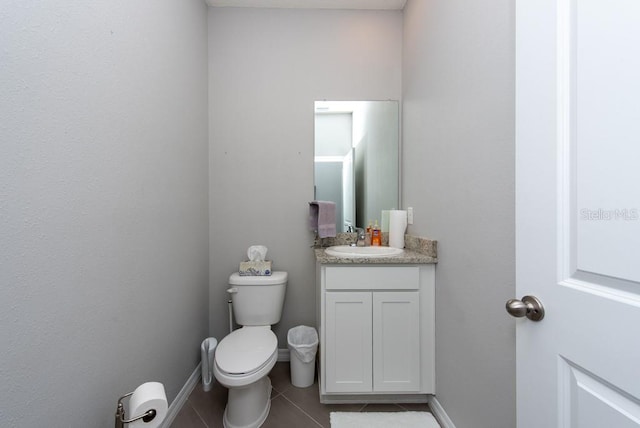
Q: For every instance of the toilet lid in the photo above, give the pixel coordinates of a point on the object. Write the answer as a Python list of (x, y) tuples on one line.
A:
[(246, 349)]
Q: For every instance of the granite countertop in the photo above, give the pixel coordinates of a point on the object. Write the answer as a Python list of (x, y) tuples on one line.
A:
[(417, 251)]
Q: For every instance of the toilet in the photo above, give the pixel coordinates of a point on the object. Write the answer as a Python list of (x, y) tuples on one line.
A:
[(244, 358)]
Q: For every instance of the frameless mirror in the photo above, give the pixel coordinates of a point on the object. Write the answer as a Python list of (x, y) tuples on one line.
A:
[(356, 159)]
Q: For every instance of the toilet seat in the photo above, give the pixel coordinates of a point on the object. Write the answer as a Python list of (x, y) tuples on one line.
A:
[(245, 355)]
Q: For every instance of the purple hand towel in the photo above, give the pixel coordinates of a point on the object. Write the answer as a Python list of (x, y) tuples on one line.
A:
[(322, 217)]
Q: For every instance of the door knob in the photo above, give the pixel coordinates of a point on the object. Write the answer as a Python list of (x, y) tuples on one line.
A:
[(529, 306)]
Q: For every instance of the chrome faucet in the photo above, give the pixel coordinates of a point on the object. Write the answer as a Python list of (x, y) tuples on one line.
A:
[(360, 238)]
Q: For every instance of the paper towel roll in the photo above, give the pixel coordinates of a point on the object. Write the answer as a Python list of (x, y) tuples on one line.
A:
[(148, 396), (397, 228)]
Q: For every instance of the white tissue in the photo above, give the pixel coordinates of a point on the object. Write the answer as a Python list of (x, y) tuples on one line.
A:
[(257, 253), (148, 396)]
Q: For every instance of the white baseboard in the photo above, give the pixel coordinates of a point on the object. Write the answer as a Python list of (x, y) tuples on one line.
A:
[(284, 355), (438, 411), (182, 397)]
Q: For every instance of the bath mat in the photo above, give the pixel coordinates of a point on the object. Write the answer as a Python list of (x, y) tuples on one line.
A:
[(383, 420)]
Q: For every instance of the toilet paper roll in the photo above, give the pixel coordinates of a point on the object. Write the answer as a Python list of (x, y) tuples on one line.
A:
[(257, 253), (148, 396), (397, 228)]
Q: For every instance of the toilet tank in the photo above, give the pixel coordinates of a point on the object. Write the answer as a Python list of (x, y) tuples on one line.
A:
[(258, 300)]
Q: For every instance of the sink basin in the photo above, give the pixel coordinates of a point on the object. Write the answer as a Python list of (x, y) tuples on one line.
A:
[(348, 251)]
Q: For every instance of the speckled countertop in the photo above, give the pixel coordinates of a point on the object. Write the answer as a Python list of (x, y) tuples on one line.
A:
[(417, 251)]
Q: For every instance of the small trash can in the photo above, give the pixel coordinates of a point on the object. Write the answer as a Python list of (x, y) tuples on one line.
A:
[(303, 346)]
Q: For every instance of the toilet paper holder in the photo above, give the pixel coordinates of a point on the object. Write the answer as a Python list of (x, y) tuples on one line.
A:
[(147, 416)]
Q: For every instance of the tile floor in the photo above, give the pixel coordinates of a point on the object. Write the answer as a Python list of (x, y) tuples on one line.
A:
[(290, 406)]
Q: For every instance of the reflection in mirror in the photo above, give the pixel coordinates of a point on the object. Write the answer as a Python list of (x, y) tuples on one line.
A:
[(356, 159)]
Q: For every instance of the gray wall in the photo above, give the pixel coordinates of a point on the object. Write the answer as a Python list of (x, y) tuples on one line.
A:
[(266, 69), (458, 174), (103, 204)]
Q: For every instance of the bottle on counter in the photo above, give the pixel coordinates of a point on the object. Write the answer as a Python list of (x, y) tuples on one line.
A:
[(376, 235)]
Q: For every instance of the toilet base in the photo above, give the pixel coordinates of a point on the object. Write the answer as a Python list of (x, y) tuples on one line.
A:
[(248, 407)]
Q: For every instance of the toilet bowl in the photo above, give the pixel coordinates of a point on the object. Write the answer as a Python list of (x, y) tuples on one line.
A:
[(244, 358)]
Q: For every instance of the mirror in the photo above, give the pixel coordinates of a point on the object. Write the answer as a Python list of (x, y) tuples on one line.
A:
[(356, 159)]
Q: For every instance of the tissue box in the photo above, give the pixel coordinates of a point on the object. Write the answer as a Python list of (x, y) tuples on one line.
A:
[(255, 268)]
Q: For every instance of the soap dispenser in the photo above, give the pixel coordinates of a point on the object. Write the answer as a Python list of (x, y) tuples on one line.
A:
[(376, 238)]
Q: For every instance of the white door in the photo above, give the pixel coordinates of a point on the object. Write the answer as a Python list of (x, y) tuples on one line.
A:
[(577, 212), (348, 342), (396, 341)]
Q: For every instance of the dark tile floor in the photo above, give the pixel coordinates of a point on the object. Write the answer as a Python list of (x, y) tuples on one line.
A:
[(290, 406)]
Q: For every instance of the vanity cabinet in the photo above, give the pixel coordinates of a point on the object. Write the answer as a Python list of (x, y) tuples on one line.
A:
[(376, 332), (372, 341)]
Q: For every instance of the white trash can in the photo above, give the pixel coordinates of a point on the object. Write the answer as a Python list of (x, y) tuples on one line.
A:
[(303, 346)]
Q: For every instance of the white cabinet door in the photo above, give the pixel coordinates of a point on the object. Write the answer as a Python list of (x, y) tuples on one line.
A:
[(348, 342), (396, 341)]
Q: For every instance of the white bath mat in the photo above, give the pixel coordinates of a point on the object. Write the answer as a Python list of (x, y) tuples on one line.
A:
[(383, 420)]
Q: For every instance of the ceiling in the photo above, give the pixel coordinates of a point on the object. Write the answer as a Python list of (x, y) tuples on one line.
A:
[(312, 4)]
